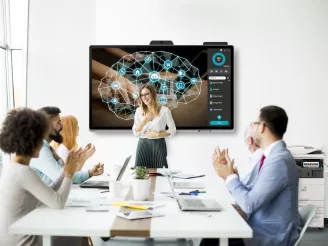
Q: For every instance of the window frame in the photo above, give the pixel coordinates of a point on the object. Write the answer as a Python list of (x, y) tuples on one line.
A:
[(6, 46)]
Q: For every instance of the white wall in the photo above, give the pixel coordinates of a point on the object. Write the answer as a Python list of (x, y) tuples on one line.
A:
[(281, 50), (60, 33)]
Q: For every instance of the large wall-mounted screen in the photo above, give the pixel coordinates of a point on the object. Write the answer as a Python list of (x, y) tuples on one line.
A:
[(195, 82)]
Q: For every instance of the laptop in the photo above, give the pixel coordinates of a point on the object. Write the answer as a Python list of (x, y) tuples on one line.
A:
[(184, 184), (100, 184), (188, 185), (192, 204)]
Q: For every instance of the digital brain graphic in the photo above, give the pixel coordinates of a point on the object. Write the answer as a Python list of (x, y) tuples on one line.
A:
[(175, 79)]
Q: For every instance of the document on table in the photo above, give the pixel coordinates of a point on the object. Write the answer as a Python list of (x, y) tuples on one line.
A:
[(187, 176), (134, 215), (78, 199)]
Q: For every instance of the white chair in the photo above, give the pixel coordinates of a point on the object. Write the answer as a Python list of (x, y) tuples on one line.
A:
[(307, 213)]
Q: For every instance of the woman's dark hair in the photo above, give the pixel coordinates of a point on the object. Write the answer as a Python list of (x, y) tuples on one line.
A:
[(276, 119), (23, 131)]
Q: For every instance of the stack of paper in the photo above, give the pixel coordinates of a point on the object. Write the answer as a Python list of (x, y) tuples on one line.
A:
[(162, 172), (133, 215), (84, 202), (187, 176), (80, 202)]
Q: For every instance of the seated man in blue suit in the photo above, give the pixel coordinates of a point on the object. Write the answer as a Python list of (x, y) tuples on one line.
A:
[(271, 204)]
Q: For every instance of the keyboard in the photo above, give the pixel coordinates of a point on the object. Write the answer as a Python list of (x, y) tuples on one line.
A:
[(187, 185), (95, 184), (195, 203)]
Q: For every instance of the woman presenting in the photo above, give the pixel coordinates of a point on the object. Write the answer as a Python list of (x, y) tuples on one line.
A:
[(150, 122)]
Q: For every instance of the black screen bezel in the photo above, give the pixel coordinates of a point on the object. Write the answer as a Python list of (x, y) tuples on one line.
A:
[(221, 128)]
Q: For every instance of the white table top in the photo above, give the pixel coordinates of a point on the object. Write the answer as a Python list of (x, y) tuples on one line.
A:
[(75, 221)]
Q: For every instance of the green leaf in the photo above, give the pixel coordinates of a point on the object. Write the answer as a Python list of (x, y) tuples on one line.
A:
[(141, 172)]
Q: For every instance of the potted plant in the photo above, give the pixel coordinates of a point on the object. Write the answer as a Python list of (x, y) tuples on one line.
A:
[(140, 184)]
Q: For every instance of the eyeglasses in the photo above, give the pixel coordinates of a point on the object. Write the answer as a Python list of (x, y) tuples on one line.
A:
[(253, 123), (145, 95)]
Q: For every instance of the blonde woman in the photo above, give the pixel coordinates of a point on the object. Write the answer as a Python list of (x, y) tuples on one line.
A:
[(70, 133), (149, 126)]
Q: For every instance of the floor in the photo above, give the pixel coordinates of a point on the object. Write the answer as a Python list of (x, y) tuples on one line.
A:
[(315, 237)]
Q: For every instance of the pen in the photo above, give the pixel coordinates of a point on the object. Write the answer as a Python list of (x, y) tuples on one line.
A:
[(104, 191), (194, 191), (188, 194)]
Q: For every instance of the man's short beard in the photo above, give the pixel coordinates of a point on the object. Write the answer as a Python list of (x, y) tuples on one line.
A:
[(57, 138), (257, 142)]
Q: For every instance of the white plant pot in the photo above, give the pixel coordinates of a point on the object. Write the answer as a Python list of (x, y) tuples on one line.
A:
[(140, 189)]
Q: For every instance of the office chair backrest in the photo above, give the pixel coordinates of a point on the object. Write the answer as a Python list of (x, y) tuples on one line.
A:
[(307, 213)]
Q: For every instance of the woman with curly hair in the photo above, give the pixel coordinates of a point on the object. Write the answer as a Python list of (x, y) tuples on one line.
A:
[(21, 189)]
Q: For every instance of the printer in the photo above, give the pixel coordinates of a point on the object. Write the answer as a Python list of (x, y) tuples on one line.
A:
[(310, 165)]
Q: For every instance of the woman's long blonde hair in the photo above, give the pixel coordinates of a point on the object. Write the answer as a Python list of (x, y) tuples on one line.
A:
[(70, 132), (155, 106)]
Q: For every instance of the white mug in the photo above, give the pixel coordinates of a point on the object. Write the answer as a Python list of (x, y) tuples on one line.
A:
[(115, 188)]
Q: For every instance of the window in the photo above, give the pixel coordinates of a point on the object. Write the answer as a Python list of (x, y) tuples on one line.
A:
[(13, 55), (18, 13), (3, 70), (2, 25), (3, 97)]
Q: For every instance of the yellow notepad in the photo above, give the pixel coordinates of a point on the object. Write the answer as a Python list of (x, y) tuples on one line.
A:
[(138, 205)]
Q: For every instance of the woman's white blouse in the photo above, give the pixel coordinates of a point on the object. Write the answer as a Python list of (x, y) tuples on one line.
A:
[(62, 151), (158, 124)]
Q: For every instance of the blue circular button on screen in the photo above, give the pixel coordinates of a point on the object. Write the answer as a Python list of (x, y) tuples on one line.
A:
[(219, 54)]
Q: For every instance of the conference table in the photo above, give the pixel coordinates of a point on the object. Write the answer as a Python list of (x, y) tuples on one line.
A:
[(75, 219)]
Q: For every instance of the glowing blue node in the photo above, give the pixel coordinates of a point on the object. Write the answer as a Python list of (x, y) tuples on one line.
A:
[(135, 95), (114, 100), (153, 76), (147, 59), (180, 85), (116, 85), (137, 72), (162, 100), (167, 64), (164, 87), (122, 71), (181, 73), (193, 81)]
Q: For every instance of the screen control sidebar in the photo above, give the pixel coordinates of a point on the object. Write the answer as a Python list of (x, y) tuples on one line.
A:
[(219, 87)]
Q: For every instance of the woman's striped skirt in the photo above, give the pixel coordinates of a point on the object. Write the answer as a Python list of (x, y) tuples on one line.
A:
[(151, 153)]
